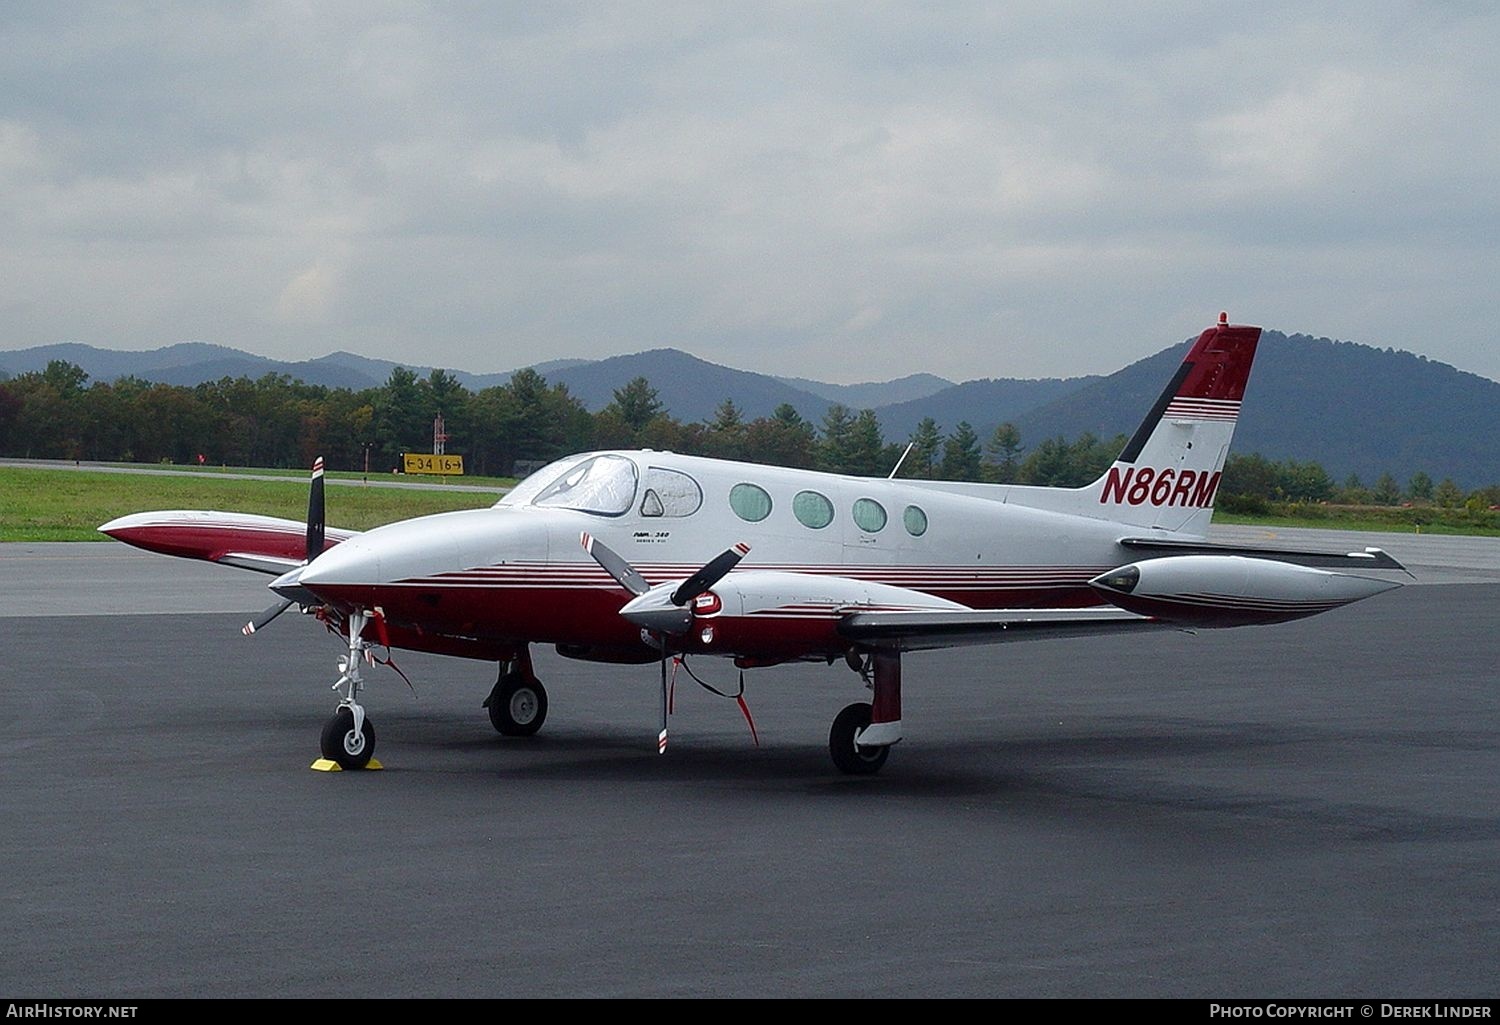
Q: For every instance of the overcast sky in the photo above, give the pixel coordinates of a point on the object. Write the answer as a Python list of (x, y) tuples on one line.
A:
[(847, 192)]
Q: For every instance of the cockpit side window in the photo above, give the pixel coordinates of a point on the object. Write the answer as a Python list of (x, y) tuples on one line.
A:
[(604, 485), (670, 493)]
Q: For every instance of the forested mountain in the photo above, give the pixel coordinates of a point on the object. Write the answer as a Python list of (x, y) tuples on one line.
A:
[(193, 363), (983, 404), (689, 388), (1352, 408), (873, 394)]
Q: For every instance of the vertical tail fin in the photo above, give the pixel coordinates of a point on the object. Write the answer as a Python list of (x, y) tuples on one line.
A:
[(1169, 472)]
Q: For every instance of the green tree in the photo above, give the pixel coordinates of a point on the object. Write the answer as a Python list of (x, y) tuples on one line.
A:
[(782, 439), (1091, 456), (726, 434), (1004, 450), (836, 449), (1050, 464), (1305, 482), (866, 453), (1448, 494), (667, 434), (1419, 487), (49, 421), (10, 413), (1387, 491), (68, 378), (402, 423), (526, 419), (636, 404), (961, 455), (926, 442), (443, 395)]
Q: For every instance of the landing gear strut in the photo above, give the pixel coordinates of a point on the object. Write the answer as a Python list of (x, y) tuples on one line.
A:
[(349, 738), (862, 735), (518, 703)]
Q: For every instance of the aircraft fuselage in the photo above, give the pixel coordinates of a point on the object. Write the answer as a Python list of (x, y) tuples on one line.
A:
[(517, 572)]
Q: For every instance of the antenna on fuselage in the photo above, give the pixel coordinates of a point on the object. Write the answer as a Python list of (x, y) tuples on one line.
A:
[(909, 446)]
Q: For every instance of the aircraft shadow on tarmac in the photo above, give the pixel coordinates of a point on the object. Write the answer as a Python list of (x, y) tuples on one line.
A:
[(1119, 769)]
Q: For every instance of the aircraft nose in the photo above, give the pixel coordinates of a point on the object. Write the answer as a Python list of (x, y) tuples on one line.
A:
[(403, 562), (289, 585), (356, 561), (367, 567), (350, 574)]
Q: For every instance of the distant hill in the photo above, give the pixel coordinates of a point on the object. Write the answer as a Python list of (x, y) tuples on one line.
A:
[(984, 403), (1353, 408), (690, 388), (192, 363), (108, 364), (873, 394)]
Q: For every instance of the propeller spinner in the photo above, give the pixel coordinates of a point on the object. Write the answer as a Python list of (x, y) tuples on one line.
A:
[(664, 610)]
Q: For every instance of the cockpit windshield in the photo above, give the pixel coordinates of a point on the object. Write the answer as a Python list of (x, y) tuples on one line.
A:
[(533, 483), (604, 485)]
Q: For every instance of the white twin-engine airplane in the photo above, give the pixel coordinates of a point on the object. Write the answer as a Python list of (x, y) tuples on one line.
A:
[(610, 556)]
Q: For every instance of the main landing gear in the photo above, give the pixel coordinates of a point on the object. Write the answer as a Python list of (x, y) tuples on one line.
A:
[(863, 734), (518, 702), (349, 738)]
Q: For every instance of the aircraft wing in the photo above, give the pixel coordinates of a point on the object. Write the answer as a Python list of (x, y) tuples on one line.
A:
[(924, 629), (885, 615), (268, 564)]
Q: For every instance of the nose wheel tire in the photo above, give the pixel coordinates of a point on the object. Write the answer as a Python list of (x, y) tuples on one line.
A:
[(847, 755), (518, 706), (342, 744)]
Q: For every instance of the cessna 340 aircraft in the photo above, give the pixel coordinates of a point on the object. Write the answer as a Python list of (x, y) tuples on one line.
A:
[(610, 556)]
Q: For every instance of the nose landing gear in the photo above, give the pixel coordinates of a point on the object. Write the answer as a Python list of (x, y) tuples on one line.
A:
[(348, 740)]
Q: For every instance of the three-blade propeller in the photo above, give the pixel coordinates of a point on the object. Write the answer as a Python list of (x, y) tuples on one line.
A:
[(664, 610), (315, 524)]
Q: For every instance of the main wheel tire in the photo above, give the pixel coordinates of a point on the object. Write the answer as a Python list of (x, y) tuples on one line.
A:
[(341, 744), (518, 707), (847, 755)]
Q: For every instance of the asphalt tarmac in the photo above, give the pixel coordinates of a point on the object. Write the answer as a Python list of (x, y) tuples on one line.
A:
[(1309, 809)]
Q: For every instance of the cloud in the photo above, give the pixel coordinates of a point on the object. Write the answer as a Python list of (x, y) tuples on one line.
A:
[(310, 296), (868, 190)]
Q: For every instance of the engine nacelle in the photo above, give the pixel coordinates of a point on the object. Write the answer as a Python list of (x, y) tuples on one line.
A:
[(1230, 590)]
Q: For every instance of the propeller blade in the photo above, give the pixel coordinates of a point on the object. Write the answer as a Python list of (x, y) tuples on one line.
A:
[(661, 738), (265, 617), (623, 572), (709, 575), (315, 520)]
